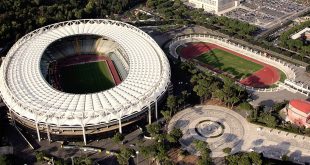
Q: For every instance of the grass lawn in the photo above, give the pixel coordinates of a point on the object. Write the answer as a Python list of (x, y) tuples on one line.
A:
[(227, 62), (282, 75), (86, 78)]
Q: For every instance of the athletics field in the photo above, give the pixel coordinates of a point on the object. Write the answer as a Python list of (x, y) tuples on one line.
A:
[(246, 70)]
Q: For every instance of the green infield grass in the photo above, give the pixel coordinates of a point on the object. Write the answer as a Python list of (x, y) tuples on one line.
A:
[(230, 63), (86, 78), (282, 75)]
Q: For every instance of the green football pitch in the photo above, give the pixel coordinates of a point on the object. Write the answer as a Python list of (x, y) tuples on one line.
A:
[(86, 78), (227, 62)]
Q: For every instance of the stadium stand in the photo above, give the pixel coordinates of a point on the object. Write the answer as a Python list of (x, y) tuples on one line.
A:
[(34, 103)]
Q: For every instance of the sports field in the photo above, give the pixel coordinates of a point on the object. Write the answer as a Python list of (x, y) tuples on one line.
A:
[(227, 62), (86, 78), (246, 70)]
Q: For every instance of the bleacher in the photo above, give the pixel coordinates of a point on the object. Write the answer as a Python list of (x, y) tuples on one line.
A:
[(119, 64), (80, 45), (105, 46)]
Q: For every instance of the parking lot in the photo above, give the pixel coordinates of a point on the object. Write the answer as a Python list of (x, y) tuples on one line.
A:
[(265, 13)]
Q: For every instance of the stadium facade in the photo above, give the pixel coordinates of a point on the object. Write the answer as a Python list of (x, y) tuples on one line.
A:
[(298, 112), (35, 103)]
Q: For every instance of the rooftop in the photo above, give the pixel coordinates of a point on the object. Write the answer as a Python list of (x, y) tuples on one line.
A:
[(301, 105)]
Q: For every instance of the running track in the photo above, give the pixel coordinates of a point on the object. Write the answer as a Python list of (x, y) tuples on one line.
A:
[(265, 77)]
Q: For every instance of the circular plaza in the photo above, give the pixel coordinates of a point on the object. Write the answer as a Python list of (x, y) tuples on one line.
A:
[(218, 126)]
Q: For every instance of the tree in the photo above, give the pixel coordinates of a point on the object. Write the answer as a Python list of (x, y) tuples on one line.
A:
[(124, 155), (171, 102), (285, 158), (279, 106), (83, 161), (307, 131), (201, 82), (268, 119), (150, 3), (166, 115), (184, 95), (153, 129), (174, 135), (204, 150), (232, 159), (227, 150), (41, 21), (245, 160), (256, 158), (245, 106), (147, 151), (118, 137), (40, 156), (89, 7), (4, 160)]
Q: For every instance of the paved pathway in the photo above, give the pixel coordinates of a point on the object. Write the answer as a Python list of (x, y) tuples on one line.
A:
[(234, 127), (269, 98), (238, 134)]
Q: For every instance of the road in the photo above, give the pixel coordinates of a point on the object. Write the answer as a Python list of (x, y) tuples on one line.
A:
[(279, 22)]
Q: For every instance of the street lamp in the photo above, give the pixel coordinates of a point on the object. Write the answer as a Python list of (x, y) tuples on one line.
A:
[(137, 153)]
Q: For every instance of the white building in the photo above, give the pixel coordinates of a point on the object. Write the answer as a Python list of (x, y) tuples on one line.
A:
[(300, 33), (34, 103), (215, 6)]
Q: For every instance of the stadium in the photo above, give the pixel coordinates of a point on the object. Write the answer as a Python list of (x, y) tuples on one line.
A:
[(83, 77), (249, 68)]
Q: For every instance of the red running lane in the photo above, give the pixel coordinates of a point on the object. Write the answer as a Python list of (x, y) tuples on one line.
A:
[(262, 78), (192, 50), (115, 75), (265, 77)]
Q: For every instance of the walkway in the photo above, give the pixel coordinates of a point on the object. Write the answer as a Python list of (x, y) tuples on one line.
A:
[(222, 127)]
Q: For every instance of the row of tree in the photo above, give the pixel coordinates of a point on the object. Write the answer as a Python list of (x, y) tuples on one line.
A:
[(182, 14), (244, 158), (175, 12), (163, 142), (207, 86), (297, 45), (271, 118), (17, 17), (204, 152)]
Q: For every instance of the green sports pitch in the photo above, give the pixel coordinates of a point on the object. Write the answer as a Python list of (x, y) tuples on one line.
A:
[(86, 78), (230, 63)]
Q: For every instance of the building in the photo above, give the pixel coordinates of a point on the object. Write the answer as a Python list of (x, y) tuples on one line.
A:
[(298, 112), (301, 33), (214, 6), (300, 20), (36, 104)]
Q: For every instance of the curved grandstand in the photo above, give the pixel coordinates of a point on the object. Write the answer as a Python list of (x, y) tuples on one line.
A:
[(38, 72), (253, 69)]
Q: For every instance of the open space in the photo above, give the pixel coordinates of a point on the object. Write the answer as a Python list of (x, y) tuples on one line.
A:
[(248, 71), (227, 62), (236, 133), (266, 13), (86, 78)]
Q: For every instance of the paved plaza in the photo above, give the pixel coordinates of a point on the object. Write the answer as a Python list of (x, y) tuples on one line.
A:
[(222, 127)]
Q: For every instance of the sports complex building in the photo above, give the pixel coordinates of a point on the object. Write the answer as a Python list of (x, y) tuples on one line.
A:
[(83, 77), (298, 112), (214, 6)]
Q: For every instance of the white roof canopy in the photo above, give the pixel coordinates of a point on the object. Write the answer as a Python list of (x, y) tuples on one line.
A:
[(25, 90)]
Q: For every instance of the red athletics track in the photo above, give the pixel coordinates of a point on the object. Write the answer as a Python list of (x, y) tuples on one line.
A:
[(265, 77), (91, 58)]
